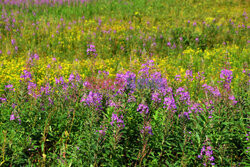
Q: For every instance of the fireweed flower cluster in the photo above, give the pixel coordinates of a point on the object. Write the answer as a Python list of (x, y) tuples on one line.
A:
[(196, 108), (149, 79), (32, 58), (147, 129), (26, 75), (178, 78), (227, 76), (91, 50), (143, 109), (232, 98), (102, 130), (183, 95), (15, 116), (189, 75), (207, 155), (92, 99), (126, 82), (59, 81), (156, 97), (9, 87), (169, 103), (214, 91), (117, 120)]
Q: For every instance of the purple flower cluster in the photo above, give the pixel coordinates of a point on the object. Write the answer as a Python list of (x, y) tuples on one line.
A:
[(214, 91), (153, 81), (183, 95), (147, 129), (189, 75), (9, 87), (126, 81), (178, 78), (169, 103), (59, 81), (26, 75), (91, 50), (155, 97), (115, 119), (31, 87), (196, 108), (227, 76), (232, 98), (143, 109), (92, 99), (247, 136), (3, 99), (47, 89), (102, 131), (206, 153), (14, 116), (33, 57)]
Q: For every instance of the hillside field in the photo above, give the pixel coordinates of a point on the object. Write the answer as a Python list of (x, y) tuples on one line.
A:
[(124, 83)]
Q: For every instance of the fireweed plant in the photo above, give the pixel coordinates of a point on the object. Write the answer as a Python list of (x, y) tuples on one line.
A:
[(124, 83)]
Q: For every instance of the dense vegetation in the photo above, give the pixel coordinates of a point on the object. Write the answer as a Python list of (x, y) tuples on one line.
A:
[(124, 83)]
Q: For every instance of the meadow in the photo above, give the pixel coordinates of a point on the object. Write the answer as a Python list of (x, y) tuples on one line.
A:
[(124, 83)]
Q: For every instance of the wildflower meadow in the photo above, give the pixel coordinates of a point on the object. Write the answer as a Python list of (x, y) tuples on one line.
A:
[(124, 83)]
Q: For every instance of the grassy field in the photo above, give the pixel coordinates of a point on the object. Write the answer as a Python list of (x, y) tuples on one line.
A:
[(124, 83)]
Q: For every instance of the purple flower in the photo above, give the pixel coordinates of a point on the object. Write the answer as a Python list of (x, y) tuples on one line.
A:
[(178, 78), (211, 158), (13, 105), (232, 98), (26, 75), (207, 152), (143, 109), (91, 50), (54, 59), (92, 99), (13, 41), (169, 103), (8, 86), (147, 129), (71, 77), (227, 75), (12, 117), (189, 74), (184, 96), (155, 97), (3, 99), (102, 131), (117, 120), (126, 81), (214, 91)]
